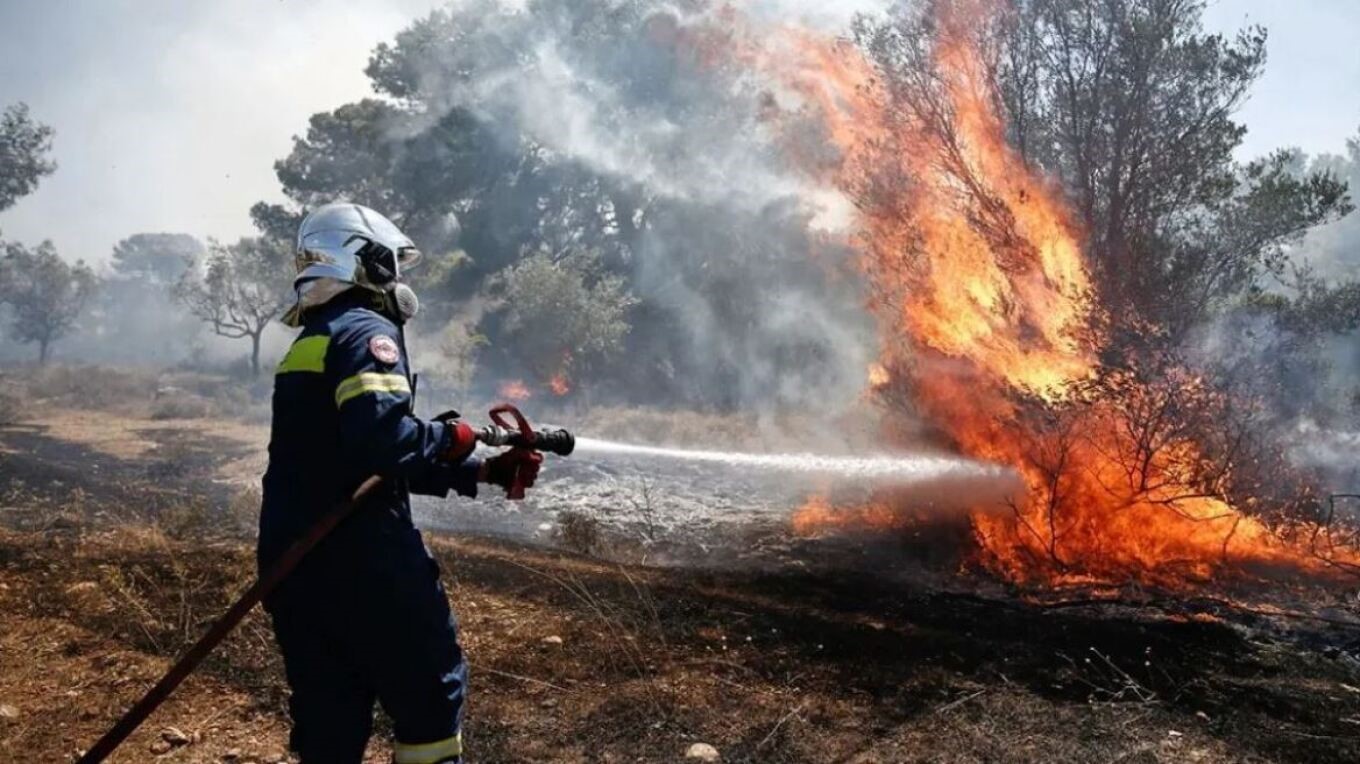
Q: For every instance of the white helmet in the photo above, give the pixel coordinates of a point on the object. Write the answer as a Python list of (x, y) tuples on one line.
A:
[(343, 245)]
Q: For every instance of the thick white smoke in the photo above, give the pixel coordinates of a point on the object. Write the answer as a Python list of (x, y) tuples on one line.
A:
[(731, 219)]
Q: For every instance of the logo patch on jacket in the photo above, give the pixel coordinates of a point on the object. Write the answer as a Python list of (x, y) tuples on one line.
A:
[(384, 349)]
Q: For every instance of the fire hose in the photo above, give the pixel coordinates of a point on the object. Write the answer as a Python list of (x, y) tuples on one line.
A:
[(516, 434)]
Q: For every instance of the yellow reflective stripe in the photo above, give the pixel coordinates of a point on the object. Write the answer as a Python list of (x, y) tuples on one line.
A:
[(429, 753), (370, 382), (307, 354)]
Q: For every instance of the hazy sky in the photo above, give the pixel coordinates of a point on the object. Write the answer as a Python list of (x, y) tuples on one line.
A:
[(170, 113)]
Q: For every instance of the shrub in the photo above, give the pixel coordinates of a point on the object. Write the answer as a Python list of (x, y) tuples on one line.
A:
[(578, 531), (11, 408)]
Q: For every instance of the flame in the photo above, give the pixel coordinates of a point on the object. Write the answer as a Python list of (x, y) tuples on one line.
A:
[(559, 384), (818, 515), (878, 376), (984, 300), (514, 390)]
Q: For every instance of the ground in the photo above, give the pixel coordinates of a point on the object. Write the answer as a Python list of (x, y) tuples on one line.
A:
[(121, 537)]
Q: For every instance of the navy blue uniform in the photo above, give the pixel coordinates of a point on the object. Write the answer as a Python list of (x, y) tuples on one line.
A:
[(364, 617)]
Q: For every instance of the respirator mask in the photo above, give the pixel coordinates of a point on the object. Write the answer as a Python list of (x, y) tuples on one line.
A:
[(382, 269)]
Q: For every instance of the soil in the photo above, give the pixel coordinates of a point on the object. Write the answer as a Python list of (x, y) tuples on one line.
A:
[(120, 541)]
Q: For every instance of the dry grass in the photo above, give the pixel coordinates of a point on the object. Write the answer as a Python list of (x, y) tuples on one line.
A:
[(575, 660), (142, 392)]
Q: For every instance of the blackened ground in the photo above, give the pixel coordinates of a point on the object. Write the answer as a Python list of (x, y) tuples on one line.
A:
[(105, 574)]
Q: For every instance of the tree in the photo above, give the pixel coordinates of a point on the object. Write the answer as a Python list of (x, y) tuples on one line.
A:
[(240, 289), (567, 318), (1130, 104), (156, 258), (44, 293), (1334, 250), (578, 125), (346, 153), (24, 145)]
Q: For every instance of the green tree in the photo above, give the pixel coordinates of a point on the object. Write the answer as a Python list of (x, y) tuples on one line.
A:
[(570, 125), (156, 258), (240, 289), (44, 293), (24, 146), (348, 154), (565, 317)]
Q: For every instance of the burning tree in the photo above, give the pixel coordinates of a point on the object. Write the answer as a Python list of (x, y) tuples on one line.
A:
[(1048, 204)]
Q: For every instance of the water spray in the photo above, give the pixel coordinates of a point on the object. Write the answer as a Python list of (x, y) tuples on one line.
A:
[(887, 467)]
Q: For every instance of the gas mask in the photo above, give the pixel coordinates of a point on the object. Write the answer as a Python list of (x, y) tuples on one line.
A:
[(382, 268), (403, 303)]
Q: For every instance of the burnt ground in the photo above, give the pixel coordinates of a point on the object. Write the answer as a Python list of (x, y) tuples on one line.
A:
[(112, 561)]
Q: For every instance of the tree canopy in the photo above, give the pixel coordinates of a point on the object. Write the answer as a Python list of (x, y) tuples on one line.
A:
[(583, 125), (45, 294), (24, 148), (157, 258), (240, 289)]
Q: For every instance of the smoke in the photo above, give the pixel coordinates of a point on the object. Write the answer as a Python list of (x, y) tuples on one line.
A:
[(1302, 379), (1295, 351), (734, 243)]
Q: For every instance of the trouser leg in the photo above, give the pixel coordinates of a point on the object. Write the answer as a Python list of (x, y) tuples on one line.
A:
[(331, 704), (419, 670)]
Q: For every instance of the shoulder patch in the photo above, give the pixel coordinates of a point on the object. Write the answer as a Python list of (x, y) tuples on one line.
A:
[(384, 348)]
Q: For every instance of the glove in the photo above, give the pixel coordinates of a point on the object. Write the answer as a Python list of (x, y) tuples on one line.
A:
[(513, 470), (464, 438)]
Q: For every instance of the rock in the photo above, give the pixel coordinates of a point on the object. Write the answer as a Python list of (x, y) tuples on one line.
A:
[(175, 737), (8, 712), (160, 748), (702, 752), (552, 640), (232, 755)]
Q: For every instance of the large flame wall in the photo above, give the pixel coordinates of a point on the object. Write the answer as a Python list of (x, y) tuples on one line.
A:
[(985, 304)]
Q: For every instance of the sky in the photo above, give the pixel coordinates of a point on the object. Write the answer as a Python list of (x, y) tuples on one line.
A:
[(1309, 95), (170, 114)]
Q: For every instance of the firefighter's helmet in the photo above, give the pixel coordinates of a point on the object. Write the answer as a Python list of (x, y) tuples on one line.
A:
[(341, 246)]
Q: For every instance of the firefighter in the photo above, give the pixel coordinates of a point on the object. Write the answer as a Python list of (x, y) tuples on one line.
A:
[(364, 617)]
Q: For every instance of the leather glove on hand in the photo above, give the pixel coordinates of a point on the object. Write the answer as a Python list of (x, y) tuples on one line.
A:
[(516, 468)]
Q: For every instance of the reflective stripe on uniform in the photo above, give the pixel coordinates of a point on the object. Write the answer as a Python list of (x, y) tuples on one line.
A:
[(429, 753), (307, 354), (370, 382)]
